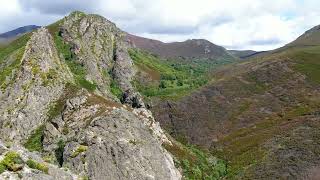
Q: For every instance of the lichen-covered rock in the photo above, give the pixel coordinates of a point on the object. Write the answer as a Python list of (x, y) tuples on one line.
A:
[(39, 82), (30, 173), (107, 139), (101, 47), (93, 39)]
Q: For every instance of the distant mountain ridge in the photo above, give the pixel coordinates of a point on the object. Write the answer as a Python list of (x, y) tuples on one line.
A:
[(244, 54), (9, 36), (189, 49), (18, 31)]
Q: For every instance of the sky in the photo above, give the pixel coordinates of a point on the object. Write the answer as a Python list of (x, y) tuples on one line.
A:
[(246, 24)]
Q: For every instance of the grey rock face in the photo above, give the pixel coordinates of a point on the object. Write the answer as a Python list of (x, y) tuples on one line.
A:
[(101, 47), (93, 39), (109, 140), (39, 81), (27, 173)]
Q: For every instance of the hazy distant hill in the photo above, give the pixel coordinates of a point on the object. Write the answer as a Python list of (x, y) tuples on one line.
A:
[(190, 49), (18, 31), (11, 35), (243, 54)]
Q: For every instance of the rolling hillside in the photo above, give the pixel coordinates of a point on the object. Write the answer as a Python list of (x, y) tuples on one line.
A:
[(261, 116), (309, 38)]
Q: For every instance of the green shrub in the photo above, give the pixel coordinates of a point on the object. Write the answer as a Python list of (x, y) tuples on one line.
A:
[(59, 152), (35, 165), (115, 89), (12, 162), (197, 164), (2, 168), (34, 142)]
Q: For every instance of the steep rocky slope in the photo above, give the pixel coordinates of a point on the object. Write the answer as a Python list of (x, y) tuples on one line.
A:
[(59, 117), (260, 115)]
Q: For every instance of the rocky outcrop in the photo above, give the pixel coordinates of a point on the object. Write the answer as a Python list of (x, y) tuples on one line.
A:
[(101, 47), (93, 42), (39, 81), (107, 139), (48, 172)]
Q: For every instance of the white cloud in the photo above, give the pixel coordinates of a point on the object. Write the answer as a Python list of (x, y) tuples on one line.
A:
[(245, 24)]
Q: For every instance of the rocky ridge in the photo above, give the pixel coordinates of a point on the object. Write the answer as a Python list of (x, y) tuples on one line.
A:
[(30, 90)]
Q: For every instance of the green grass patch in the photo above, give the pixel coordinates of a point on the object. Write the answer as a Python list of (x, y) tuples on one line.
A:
[(39, 166), (308, 62), (13, 46), (34, 142), (64, 50), (86, 84), (84, 178), (16, 50), (298, 111), (115, 89), (57, 107)]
